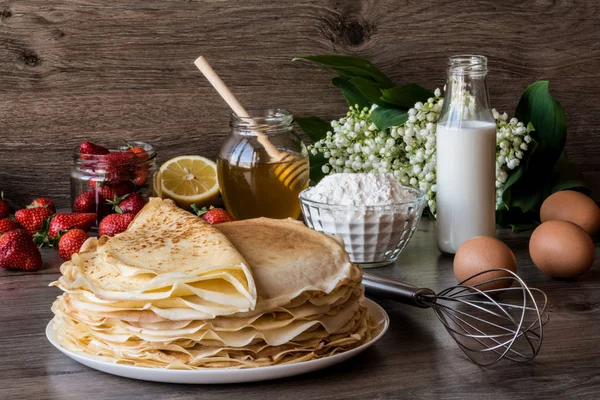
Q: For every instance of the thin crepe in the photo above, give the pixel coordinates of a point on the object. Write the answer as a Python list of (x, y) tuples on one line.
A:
[(166, 253), (289, 259), (126, 298)]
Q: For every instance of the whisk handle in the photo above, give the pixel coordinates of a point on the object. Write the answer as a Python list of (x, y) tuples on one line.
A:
[(376, 286)]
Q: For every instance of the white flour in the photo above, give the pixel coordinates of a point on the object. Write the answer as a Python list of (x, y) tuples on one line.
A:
[(359, 190), (372, 236)]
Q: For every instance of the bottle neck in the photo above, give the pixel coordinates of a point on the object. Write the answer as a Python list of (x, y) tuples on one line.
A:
[(466, 97)]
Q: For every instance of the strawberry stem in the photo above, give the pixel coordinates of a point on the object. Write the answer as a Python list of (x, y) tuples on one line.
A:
[(37, 205), (199, 211), (116, 201), (43, 239)]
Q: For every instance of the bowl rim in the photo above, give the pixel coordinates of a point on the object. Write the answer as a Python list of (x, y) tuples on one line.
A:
[(420, 199)]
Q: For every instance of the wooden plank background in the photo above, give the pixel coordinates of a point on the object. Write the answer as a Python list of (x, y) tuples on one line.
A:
[(108, 70)]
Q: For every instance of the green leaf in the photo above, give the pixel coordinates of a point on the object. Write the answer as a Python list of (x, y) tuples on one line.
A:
[(546, 114), (528, 192), (349, 67), (531, 146), (384, 117), (546, 169), (406, 95), (352, 95), (316, 163), (427, 213), (517, 220), (566, 177), (370, 90), (523, 227), (512, 179), (531, 200), (517, 173), (42, 239), (199, 211), (315, 128)]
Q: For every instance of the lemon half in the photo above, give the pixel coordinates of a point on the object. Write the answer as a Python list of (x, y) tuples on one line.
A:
[(189, 180), (156, 185)]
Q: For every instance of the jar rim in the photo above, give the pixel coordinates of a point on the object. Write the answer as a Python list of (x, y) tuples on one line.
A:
[(150, 152), (270, 118)]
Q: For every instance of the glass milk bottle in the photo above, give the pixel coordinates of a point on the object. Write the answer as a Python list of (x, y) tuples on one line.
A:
[(466, 156)]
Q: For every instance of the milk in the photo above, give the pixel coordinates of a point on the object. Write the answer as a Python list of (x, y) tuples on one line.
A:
[(466, 175)]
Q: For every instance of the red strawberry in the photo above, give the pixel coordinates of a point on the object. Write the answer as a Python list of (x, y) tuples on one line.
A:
[(118, 158), (128, 204), (213, 215), (110, 166), (71, 243), (17, 251), (139, 152), (85, 202), (32, 219), (109, 191), (64, 222), (4, 209), (141, 176), (118, 166), (92, 148), (7, 225), (43, 202), (133, 204), (98, 185), (114, 224)]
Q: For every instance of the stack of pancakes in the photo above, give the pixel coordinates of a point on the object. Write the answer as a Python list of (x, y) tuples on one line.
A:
[(175, 292)]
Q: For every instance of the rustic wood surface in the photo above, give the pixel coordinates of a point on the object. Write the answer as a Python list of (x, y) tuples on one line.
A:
[(106, 70), (415, 359)]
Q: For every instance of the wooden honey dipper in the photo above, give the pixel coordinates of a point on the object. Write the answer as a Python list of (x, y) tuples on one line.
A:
[(286, 173)]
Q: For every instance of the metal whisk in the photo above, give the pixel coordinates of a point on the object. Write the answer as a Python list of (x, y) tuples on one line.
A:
[(488, 324)]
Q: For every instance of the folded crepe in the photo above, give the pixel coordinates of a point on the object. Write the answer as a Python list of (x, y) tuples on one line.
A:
[(174, 292), (289, 259), (166, 253)]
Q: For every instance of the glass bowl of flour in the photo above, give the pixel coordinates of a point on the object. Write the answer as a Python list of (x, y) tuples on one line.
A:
[(374, 215)]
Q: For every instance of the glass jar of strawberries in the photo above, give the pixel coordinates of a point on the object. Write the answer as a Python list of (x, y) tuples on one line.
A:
[(102, 179)]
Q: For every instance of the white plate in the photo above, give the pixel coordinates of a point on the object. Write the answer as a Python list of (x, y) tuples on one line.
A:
[(212, 376)]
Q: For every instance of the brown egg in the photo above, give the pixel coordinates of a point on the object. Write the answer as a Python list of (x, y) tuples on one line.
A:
[(572, 206), (480, 254), (561, 249)]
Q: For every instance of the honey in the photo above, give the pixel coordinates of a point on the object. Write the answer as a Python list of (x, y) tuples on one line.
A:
[(264, 189)]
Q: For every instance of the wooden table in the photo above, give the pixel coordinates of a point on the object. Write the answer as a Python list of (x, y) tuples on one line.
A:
[(415, 359)]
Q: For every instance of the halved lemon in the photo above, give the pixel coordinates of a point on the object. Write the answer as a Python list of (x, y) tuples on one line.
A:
[(156, 185), (189, 180)]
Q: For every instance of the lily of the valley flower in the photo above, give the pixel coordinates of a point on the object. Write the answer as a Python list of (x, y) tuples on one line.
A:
[(408, 151)]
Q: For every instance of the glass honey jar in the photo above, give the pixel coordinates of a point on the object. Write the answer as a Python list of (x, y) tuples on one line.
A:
[(263, 166)]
